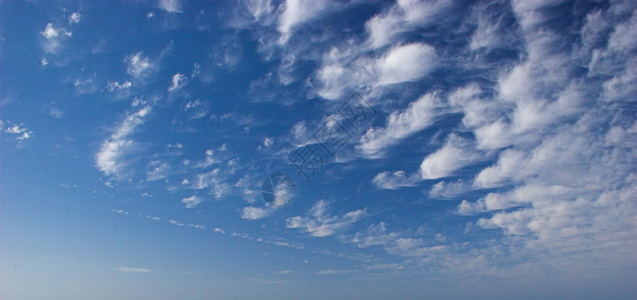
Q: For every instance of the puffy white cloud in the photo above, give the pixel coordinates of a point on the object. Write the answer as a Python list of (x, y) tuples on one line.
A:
[(297, 12), (455, 154), (419, 115), (178, 81), (320, 224), (109, 157), (50, 32), (406, 63), (507, 167), (356, 68), (191, 201), (21, 133)]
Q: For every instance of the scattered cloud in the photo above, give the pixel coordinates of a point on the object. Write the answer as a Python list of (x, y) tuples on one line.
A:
[(19, 131), (116, 86), (320, 224), (138, 65), (191, 201)]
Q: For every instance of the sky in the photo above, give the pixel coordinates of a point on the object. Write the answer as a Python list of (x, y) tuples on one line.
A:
[(318, 150)]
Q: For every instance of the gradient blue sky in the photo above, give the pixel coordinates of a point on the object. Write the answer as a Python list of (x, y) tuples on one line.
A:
[(496, 159)]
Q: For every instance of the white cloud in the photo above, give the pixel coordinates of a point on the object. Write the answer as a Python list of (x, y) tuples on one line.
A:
[(319, 224), (178, 81), (193, 104), (395, 243), (18, 130), (297, 12), (419, 115), (376, 235), (191, 201), (176, 223), (138, 65), (158, 170), (116, 86), (268, 141), (53, 37), (449, 190), (395, 180), (133, 270), (405, 15), (255, 213), (109, 157), (356, 68), (406, 63), (170, 6), (413, 247), (50, 32), (507, 167), (75, 18), (455, 154)]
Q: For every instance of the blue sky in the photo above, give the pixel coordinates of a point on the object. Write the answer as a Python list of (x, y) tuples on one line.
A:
[(410, 149)]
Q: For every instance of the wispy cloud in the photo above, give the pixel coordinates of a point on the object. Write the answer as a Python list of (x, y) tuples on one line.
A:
[(138, 65), (178, 81), (394, 180), (170, 6), (320, 224), (334, 272), (297, 12), (419, 115), (110, 157), (133, 270), (255, 213)]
